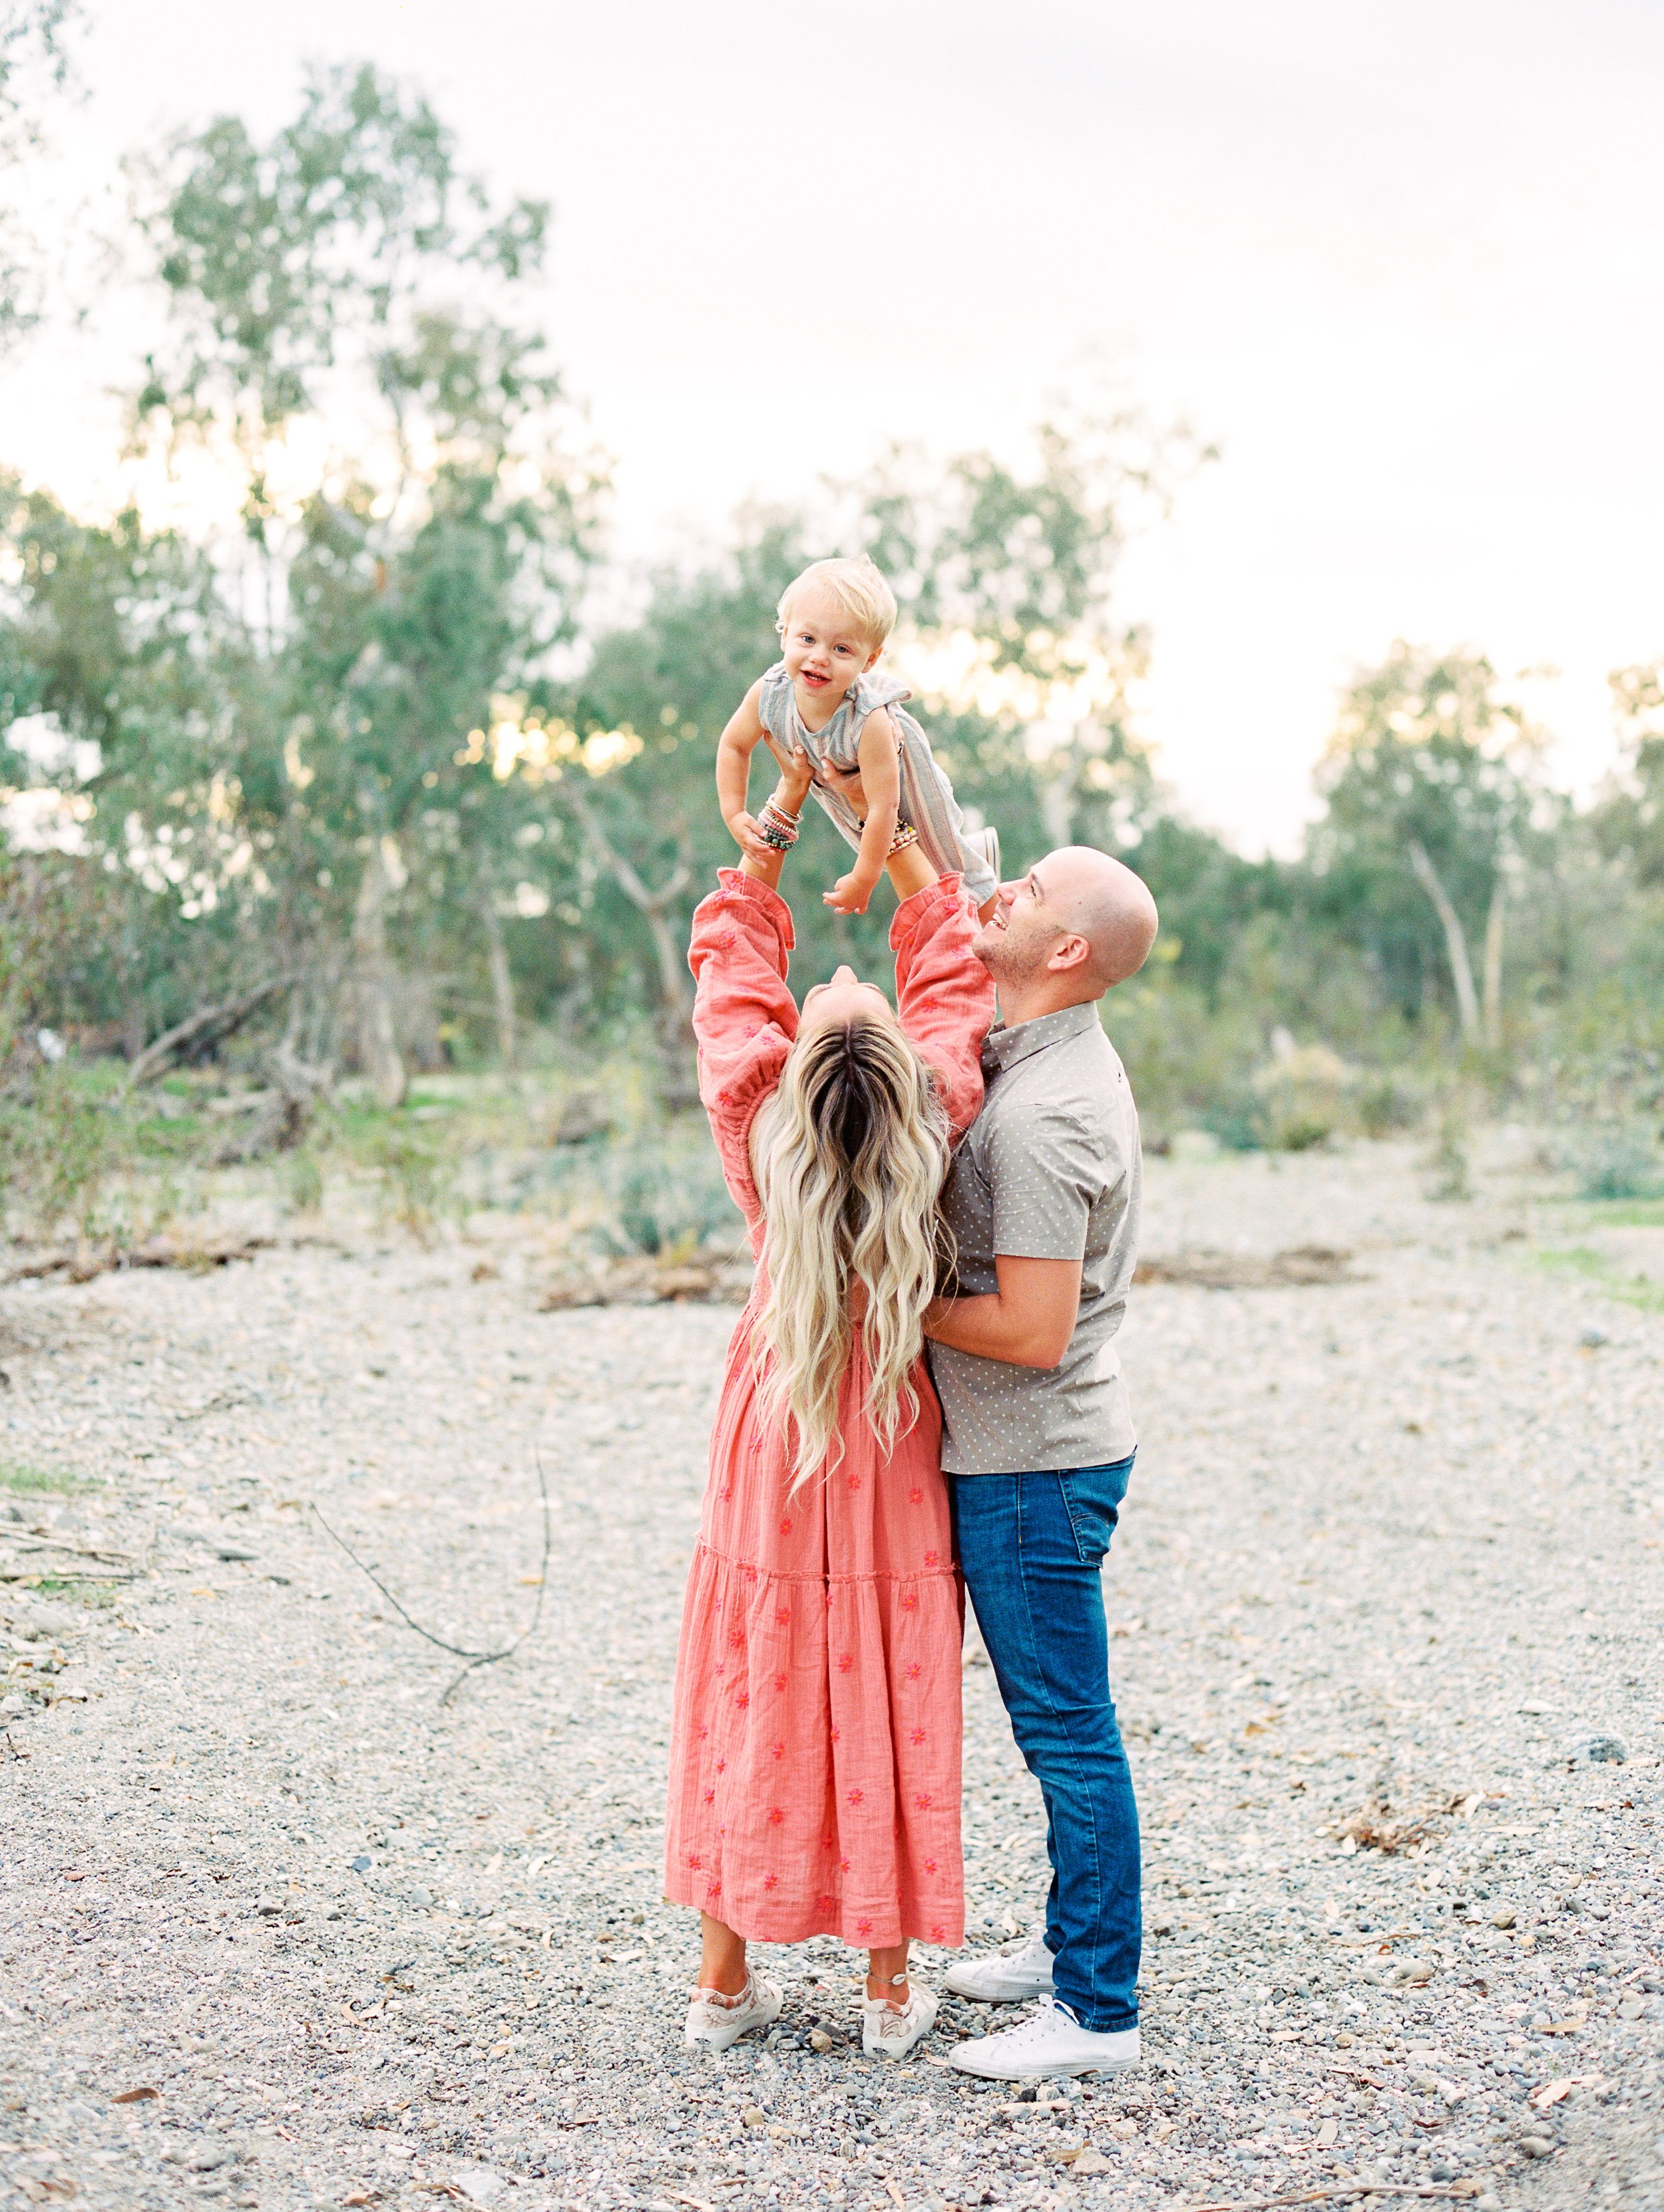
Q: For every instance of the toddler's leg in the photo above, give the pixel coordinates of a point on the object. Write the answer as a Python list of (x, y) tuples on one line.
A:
[(927, 801)]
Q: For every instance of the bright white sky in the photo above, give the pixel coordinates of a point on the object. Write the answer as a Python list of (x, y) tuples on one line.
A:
[(1401, 259)]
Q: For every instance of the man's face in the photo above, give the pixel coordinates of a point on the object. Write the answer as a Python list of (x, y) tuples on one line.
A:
[(823, 647), (1018, 937)]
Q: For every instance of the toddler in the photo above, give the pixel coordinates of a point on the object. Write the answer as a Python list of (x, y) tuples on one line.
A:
[(873, 771)]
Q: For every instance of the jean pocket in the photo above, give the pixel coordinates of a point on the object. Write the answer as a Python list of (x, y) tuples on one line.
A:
[(1092, 1498)]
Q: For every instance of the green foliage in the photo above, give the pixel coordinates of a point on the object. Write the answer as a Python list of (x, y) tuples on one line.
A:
[(19, 1474), (372, 734)]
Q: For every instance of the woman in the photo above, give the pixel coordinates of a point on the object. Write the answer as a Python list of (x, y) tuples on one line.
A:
[(815, 1751)]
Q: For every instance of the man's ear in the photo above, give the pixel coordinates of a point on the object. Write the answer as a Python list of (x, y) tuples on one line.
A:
[(1070, 952)]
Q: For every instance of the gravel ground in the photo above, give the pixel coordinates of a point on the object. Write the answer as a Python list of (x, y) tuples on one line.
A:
[(279, 1927)]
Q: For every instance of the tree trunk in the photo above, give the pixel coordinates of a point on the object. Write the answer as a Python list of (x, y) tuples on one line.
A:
[(675, 989), (378, 1045), (1456, 938), (502, 979), (1493, 964)]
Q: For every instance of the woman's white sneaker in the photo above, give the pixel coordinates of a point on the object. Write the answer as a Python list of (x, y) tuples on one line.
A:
[(1050, 2042), (715, 2021), (1005, 1978), (891, 2031)]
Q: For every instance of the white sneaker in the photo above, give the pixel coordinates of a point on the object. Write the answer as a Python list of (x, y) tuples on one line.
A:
[(891, 2031), (715, 2021), (1052, 2041), (1005, 1976)]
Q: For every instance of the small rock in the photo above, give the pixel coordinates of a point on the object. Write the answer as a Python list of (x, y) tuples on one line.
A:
[(1537, 2147), (207, 2157), (268, 1908), (422, 1898), (1604, 1751), (1504, 1916), (1441, 2170), (819, 2040), (1093, 2161), (750, 2117), (1631, 2007), (13, 1707), (360, 1864), (1593, 1339)]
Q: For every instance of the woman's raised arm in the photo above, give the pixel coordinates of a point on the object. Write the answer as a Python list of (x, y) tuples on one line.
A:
[(944, 994)]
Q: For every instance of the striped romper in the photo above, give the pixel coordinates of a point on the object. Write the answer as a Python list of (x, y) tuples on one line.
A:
[(927, 801)]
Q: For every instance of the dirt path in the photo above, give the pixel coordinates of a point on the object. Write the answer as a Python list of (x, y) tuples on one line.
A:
[(1393, 1550)]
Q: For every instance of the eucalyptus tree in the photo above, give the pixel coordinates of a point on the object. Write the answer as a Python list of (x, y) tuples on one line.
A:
[(348, 337), (1433, 808), (35, 44)]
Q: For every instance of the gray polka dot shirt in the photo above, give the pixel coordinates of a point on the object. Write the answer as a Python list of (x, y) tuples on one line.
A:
[(1051, 1170)]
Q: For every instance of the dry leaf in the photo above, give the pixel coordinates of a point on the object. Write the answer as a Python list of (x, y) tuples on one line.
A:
[(1551, 2094), (135, 2096), (360, 2197)]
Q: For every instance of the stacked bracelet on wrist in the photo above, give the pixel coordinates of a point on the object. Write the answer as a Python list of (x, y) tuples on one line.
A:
[(906, 834), (776, 827)]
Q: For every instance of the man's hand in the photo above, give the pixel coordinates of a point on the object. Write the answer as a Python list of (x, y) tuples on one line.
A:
[(849, 894), (747, 835), (1027, 1321)]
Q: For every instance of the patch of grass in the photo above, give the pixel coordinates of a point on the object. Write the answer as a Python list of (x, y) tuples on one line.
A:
[(80, 1592), (14, 1474), (1597, 1270), (1624, 1213)]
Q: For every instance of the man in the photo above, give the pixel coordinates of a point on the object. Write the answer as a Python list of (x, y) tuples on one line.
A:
[(1037, 1434)]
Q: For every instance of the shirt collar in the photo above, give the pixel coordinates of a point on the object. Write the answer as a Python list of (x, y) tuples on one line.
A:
[(1004, 1048)]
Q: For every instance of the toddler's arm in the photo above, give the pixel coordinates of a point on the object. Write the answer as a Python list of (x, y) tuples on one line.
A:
[(734, 749), (880, 771)]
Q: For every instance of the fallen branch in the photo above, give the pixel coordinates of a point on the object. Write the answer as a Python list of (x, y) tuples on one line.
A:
[(82, 1263), (1302, 1265), (206, 1027), (1448, 2193), (475, 1659), (651, 1282)]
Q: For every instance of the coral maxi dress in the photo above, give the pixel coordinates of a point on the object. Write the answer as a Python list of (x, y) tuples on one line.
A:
[(814, 1749)]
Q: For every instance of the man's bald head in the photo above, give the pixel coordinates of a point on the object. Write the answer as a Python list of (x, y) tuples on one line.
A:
[(1102, 900), (1074, 927)]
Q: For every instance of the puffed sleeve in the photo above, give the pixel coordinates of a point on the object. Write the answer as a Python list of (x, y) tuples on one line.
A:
[(943, 993), (745, 1018)]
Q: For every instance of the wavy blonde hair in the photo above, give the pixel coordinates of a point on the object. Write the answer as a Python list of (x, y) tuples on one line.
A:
[(850, 1164)]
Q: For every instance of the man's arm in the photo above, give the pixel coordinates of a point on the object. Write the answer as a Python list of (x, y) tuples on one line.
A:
[(1027, 1321)]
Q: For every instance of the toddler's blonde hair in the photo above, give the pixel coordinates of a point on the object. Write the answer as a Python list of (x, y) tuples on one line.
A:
[(859, 589)]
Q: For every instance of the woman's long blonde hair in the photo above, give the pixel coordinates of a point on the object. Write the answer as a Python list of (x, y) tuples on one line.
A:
[(850, 1164)]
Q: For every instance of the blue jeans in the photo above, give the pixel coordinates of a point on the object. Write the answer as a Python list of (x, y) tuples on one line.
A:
[(1032, 1546)]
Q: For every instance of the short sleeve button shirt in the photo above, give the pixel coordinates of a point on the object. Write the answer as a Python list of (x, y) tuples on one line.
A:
[(1051, 1170)]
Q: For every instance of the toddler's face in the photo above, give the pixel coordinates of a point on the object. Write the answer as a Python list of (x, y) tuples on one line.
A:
[(824, 650)]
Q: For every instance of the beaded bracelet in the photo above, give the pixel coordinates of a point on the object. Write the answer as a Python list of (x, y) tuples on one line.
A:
[(776, 827), (906, 836)]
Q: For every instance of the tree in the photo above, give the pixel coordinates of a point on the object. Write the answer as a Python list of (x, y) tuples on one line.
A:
[(1430, 790), (347, 274), (34, 68), (1628, 819)]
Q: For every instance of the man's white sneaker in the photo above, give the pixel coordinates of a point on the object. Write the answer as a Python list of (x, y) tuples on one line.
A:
[(891, 2031), (715, 2021), (1052, 2041), (1005, 1976)]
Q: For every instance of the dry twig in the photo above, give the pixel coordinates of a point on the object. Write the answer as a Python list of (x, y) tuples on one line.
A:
[(475, 1659), (1436, 2190)]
